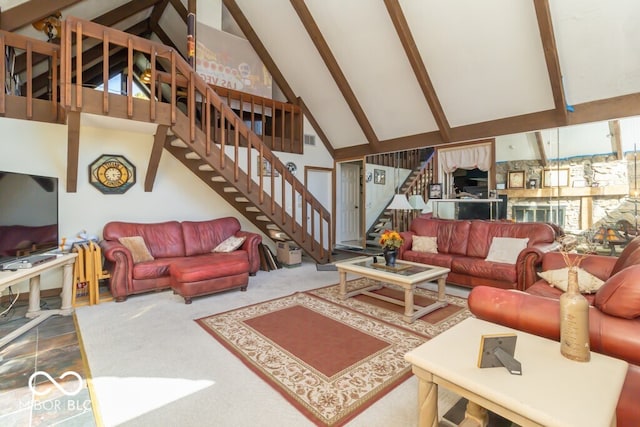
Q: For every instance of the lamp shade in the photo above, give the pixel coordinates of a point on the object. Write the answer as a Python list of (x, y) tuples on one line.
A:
[(417, 202), (428, 207), (399, 202)]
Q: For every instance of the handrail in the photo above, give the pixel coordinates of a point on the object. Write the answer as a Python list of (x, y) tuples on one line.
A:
[(220, 126), (418, 186)]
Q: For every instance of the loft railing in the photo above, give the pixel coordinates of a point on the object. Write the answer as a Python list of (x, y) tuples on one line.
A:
[(226, 142), (17, 100), (278, 124)]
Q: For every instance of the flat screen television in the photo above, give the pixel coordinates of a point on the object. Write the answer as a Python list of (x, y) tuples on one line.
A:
[(28, 214)]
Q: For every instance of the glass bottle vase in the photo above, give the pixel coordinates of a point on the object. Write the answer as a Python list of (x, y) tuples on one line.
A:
[(574, 321)]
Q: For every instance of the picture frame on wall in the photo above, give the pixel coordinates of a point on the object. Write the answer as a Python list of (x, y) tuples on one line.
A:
[(379, 176), (266, 169), (555, 177), (435, 191), (515, 179)]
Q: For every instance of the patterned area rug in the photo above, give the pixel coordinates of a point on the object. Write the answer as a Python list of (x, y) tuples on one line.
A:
[(429, 325), (330, 359)]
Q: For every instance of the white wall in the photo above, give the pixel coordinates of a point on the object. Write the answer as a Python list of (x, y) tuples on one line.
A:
[(41, 149)]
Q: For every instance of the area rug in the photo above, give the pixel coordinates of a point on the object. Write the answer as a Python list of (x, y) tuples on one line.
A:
[(429, 325), (329, 361)]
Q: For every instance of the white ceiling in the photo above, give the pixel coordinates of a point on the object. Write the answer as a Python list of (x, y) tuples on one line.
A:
[(485, 59)]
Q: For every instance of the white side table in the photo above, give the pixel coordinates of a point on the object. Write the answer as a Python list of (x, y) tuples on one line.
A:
[(8, 278), (552, 390)]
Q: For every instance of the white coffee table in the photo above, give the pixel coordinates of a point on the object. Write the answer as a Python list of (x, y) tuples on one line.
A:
[(407, 276), (552, 390)]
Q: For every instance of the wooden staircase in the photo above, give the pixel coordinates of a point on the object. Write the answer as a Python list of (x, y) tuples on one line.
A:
[(416, 183), (194, 124)]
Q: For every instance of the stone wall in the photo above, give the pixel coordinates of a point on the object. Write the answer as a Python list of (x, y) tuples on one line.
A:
[(584, 171)]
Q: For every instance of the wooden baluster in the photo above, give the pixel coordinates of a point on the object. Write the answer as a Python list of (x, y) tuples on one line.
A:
[(130, 77)]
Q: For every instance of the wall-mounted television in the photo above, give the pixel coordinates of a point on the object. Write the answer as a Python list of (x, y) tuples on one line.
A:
[(28, 214)]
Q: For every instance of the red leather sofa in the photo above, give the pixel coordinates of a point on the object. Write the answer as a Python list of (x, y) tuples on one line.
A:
[(463, 246), (184, 248), (614, 317)]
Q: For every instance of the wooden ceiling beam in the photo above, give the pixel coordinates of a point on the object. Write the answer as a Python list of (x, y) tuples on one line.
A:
[(417, 64), (121, 13), (157, 12), (31, 11), (541, 152), (182, 11), (334, 69), (616, 140), (547, 37)]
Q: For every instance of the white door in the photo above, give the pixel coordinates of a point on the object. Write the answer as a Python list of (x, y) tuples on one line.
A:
[(350, 204)]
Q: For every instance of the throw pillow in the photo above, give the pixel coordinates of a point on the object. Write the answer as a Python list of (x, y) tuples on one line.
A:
[(587, 282), (425, 244), (230, 244), (620, 295), (506, 249), (137, 247)]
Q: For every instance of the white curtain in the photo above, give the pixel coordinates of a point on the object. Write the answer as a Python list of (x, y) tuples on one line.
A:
[(465, 158)]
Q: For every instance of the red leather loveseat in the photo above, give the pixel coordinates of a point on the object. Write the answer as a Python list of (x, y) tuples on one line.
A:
[(463, 246), (614, 317), (181, 257)]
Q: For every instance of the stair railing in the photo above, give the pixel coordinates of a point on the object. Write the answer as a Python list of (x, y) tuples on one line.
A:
[(227, 143)]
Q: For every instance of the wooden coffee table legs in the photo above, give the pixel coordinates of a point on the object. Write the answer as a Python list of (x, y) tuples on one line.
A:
[(411, 311)]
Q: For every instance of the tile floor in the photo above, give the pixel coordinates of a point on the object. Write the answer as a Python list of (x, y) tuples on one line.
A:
[(52, 348)]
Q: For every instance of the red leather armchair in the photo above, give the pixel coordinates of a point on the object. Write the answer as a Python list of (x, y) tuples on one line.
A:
[(614, 317)]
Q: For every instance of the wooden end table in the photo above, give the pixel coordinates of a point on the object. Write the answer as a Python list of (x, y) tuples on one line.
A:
[(552, 390), (407, 276)]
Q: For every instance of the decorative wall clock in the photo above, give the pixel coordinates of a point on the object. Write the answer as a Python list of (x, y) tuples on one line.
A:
[(292, 167), (112, 174)]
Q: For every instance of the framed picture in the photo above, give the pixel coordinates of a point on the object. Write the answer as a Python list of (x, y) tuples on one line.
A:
[(266, 169), (555, 177), (515, 179), (533, 183), (379, 176), (435, 191)]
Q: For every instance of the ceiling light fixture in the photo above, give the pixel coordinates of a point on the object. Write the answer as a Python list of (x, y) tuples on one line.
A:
[(50, 26)]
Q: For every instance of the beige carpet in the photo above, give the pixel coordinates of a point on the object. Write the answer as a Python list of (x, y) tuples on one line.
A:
[(152, 365), (330, 358)]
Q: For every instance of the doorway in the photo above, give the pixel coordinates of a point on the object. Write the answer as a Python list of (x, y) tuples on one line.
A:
[(319, 182), (349, 206)]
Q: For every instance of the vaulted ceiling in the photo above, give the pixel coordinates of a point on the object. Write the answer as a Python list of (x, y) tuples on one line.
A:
[(387, 75)]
